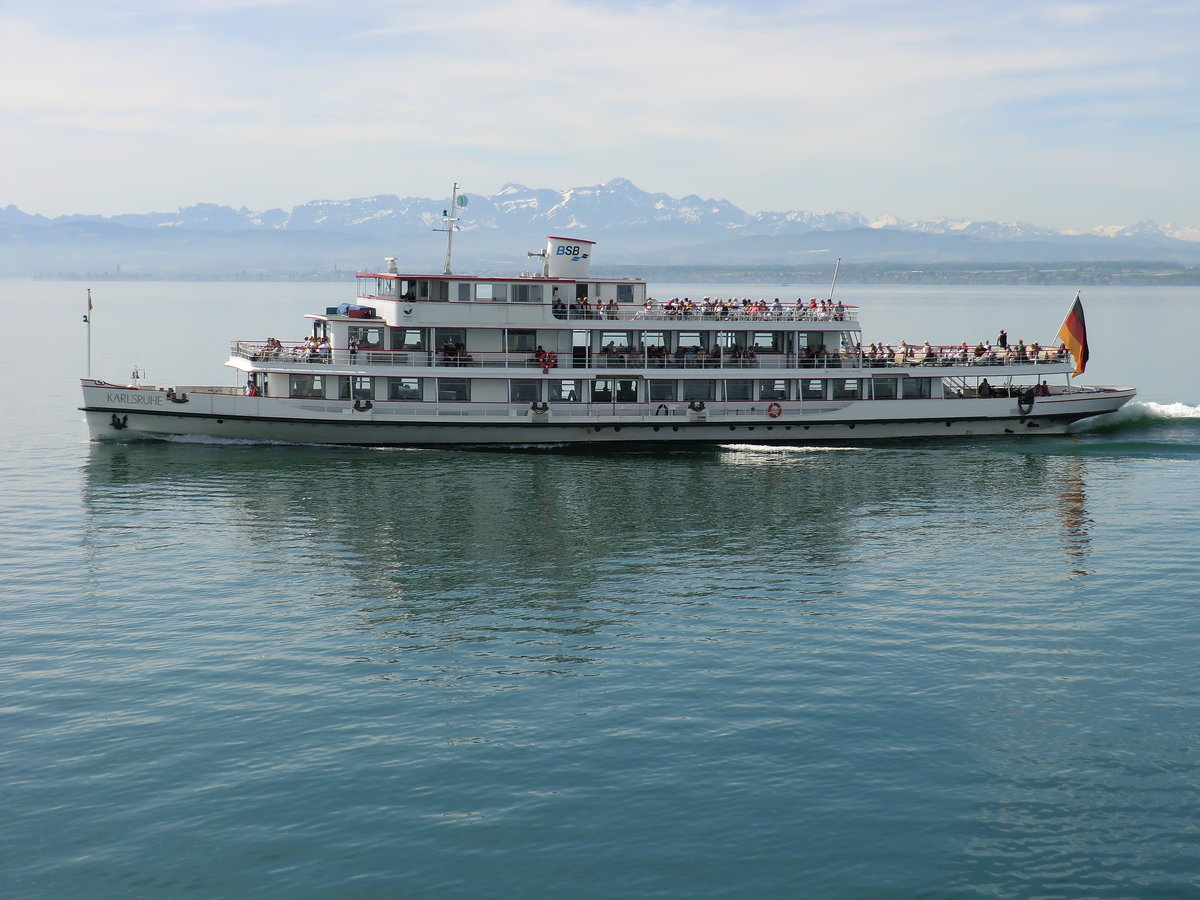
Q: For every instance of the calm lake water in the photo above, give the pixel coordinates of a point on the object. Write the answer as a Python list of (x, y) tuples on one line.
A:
[(919, 670)]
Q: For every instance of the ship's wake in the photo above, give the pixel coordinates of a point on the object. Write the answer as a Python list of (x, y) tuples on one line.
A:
[(1141, 415)]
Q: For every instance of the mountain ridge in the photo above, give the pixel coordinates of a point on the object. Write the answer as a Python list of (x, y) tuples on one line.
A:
[(633, 226)]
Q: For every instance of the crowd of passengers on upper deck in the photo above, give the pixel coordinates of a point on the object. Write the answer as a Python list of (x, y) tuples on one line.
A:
[(713, 308), (983, 353), (745, 308)]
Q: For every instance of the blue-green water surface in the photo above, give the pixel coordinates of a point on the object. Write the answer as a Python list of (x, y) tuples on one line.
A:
[(916, 670)]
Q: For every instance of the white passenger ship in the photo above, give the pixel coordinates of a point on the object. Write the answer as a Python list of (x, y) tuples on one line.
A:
[(560, 357)]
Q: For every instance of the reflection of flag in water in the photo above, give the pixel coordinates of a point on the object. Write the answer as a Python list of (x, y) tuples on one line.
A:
[(1073, 334)]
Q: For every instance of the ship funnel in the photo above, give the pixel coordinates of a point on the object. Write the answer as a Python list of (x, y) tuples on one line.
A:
[(568, 257)]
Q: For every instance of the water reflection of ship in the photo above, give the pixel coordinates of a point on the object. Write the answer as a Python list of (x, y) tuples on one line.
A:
[(1076, 539), (429, 545)]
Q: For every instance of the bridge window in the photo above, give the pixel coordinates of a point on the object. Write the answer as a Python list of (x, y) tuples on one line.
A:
[(369, 338), (522, 340), (408, 338), (527, 293)]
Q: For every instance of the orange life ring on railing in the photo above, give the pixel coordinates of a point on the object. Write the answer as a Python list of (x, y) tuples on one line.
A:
[(774, 410)]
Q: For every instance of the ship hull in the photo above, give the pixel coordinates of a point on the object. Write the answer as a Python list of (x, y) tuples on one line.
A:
[(129, 414)]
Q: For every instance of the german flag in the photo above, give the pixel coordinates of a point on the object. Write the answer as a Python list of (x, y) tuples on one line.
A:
[(1073, 335)]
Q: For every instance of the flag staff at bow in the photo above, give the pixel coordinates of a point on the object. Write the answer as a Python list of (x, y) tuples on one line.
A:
[(87, 320), (1073, 335)]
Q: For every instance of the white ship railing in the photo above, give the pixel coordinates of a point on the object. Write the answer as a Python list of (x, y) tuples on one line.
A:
[(646, 359)]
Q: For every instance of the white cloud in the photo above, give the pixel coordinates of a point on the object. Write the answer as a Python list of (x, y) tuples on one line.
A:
[(877, 106)]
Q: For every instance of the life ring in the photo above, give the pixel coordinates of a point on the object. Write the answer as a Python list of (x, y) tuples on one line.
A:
[(774, 410), (549, 361), (663, 410), (539, 407), (1025, 401)]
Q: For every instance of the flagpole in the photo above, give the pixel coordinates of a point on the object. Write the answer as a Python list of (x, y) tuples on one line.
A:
[(87, 320), (833, 286)]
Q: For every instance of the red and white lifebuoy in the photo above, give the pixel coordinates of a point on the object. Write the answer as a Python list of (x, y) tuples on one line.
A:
[(774, 410)]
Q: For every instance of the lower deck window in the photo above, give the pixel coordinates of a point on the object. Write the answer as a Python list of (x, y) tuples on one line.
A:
[(661, 391), (568, 391), (453, 389), (772, 390), (917, 388), (739, 390), (847, 388), (523, 390), (306, 386), (812, 389), (883, 388), (699, 390), (404, 388), (356, 387)]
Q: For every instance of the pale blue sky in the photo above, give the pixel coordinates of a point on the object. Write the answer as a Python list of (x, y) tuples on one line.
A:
[(1063, 114)]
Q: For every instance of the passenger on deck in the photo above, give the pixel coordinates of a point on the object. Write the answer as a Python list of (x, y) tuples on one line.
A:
[(985, 389)]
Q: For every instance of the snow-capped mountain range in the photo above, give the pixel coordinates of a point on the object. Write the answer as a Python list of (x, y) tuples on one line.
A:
[(632, 225)]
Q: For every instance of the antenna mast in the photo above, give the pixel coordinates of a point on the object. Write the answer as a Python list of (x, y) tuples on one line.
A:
[(449, 216)]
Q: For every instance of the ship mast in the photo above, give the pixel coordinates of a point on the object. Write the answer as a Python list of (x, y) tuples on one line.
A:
[(449, 217)]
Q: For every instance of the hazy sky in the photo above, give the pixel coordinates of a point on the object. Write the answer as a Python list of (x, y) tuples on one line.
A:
[(1062, 114)]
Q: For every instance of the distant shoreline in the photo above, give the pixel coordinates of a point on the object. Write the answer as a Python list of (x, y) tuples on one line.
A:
[(1079, 274)]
